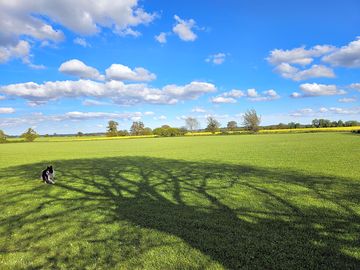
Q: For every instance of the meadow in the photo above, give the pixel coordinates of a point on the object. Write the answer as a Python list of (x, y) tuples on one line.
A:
[(284, 201)]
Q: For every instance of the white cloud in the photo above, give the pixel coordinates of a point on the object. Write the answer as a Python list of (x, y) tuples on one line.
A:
[(221, 99), (251, 94), (183, 29), (34, 19), (103, 115), (2, 97), (315, 71), (160, 118), (20, 50), (347, 100), (266, 95), (82, 42), (346, 56), (314, 89), (216, 59), (6, 110), (234, 93), (161, 38), (124, 73), (75, 67), (299, 56), (355, 86), (198, 110), (92, 102), (117, 91), (189, 91), (303, 112), (149, 113)]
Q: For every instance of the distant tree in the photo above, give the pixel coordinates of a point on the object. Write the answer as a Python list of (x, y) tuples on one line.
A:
[(315, 123), (80, 134), (340, 123), (232, 125), (137, 128), (292, 125), (183, 131), (334, 123), (213, 125), (251, 120), (192, 124), (112, 129), (123, 133), (167, 131), (30, 135), (282, 126), (297, 125), (2, 136), (147, 131), (351, 123)]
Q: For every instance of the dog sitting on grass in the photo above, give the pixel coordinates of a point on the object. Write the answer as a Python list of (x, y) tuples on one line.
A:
[(48, 175)]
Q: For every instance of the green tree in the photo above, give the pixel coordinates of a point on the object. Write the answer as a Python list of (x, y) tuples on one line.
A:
[(232, 125), (251, 120), (137, 128), (340, 123), (112, 129), (80, 134), (192, 124), (123, 133), (147, 131), (2, 136), (30, 135), (213, 125)]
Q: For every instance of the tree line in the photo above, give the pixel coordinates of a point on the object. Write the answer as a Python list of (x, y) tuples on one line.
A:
[(251, 122)]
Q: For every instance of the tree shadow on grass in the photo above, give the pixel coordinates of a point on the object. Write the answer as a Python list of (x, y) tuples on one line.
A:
[(113, 212)]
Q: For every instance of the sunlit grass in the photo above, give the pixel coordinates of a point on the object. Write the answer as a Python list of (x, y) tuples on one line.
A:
[(280, 201)]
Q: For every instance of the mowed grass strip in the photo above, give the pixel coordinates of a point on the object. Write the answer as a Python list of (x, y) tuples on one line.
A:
[(225, 202)]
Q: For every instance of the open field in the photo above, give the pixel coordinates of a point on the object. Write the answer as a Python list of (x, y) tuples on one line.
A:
[(280, 201)]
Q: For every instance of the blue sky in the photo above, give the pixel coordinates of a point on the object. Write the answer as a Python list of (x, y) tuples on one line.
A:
[(70, 66)]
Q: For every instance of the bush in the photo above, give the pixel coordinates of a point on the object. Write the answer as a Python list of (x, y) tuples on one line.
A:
[(2, 136), (30, 135)]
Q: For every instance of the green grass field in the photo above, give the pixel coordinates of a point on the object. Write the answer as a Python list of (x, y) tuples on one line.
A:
[(285, 201)]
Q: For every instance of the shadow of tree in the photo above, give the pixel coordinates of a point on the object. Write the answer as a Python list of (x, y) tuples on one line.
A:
[(109, 212)]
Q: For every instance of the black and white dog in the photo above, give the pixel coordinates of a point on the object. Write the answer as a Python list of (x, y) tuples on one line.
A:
[(48, 175)]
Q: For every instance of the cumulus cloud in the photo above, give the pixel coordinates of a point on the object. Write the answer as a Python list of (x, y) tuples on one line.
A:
[(117, 91), (323, 111), (355, 86), (346, 56), (92, 102), (161, 38), (299, 56), (19, 50), (6, 110), (347, 100), (314, 90), (251, 94), (183, 29), (124, 73), (268, 95), (222, 99), (315, 71), (189, 91), (198, 110), (149, 113), (35, 19), (216, 59), (82, 42), (77, 68)]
